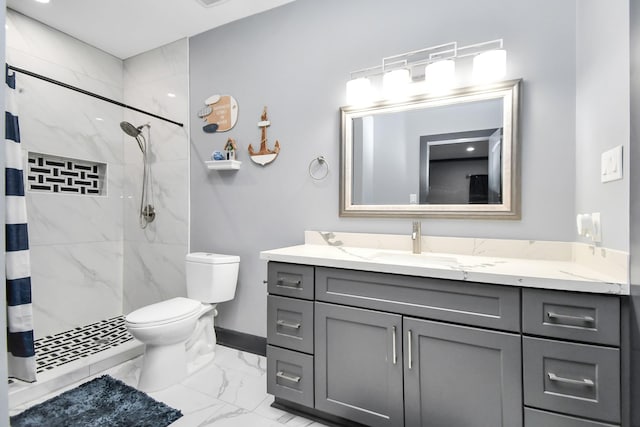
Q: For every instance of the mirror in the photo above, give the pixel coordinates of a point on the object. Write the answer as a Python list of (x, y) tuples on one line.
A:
[(452, 156)]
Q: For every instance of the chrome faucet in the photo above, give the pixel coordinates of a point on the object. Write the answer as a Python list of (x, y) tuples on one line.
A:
[(416, 236)]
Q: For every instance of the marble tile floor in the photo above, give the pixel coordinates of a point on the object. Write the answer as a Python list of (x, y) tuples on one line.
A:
[(230, 392)]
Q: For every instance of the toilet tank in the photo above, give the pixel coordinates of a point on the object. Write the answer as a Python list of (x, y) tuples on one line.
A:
[(211, 278)]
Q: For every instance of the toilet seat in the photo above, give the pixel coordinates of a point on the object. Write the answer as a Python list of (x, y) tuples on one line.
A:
[(169, 311)]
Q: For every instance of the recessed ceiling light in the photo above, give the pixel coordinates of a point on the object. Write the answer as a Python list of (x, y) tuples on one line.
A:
[(470, 148), (42, 1), (171, 95), (100, 119)]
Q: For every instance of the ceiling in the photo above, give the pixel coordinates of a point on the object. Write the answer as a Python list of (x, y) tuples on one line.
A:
[(126, 28)]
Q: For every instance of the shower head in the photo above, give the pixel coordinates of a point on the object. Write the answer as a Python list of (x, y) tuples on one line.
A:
[(130, 129), (135, 132)]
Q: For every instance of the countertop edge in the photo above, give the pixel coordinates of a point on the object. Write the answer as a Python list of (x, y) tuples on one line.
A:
[(526, 281)]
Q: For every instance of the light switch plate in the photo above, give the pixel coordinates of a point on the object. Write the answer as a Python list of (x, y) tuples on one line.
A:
[(611, 164)]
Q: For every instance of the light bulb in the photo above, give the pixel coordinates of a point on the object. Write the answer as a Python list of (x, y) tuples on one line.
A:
[(489, 66), (440, 76), (359, 91), (395, 84)]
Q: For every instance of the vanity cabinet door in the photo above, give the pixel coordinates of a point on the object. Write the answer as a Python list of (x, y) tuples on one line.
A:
[(461, 376), (358, 364)]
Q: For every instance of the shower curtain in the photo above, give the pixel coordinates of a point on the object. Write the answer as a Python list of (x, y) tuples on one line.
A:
[(21, 352)]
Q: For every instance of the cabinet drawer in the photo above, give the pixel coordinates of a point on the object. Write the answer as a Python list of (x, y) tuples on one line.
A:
[(290, 280), (475, 304), (573, 316), (535, 418), (575, 379), (290, 375), (290, 323)]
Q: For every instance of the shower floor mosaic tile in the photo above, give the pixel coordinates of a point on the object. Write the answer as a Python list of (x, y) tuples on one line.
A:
[(65, 347)]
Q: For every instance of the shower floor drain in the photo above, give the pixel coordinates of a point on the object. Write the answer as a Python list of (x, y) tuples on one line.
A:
[(65, 347)]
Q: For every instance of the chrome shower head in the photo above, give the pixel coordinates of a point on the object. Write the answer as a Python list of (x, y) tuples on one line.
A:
[(130, 129)]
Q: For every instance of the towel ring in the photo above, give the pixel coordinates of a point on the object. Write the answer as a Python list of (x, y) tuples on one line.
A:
[(320, 160)]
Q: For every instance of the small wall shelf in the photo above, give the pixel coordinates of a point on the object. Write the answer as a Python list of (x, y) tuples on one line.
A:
[(223, 164)]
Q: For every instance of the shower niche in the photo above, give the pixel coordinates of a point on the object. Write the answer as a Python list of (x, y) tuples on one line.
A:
[(63, 175)]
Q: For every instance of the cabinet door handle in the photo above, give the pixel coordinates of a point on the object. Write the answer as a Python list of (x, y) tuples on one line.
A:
[(288, 325), (291, 284), (284, 376), (586, 319), (409, 348), (585, 381), (393, 345)]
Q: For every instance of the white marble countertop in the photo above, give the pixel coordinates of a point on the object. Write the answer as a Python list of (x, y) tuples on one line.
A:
[(549, 265)]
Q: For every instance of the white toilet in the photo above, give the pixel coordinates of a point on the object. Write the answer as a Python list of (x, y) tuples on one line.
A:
[(179, 332)]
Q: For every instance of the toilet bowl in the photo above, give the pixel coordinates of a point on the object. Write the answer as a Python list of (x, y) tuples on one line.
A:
[(180, 330)]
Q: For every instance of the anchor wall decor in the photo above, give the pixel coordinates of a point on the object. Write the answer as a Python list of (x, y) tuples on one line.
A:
[(264, 156)]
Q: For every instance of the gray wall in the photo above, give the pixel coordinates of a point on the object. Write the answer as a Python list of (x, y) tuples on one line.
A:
[(296, 60), (634, 178), (602, 113), (448, 181), (4, 396)]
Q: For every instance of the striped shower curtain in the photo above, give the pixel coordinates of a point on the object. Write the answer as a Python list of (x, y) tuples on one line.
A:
[(21, 356)]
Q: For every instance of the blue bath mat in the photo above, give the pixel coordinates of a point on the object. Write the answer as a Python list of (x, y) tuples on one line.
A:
[(101, 402)]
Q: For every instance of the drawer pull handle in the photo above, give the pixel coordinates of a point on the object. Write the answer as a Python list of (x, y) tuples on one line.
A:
[(586, 319), (288, 325), (292, 378), (393, 345), (409, 348), (290, 284), (585, 381)]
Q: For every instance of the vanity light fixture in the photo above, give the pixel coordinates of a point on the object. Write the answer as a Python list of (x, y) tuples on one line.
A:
[(440, 76), (431, 70), (359, 91), (489, 66), (395, 83)]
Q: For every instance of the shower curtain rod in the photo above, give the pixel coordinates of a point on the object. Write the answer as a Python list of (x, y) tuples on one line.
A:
[(95, 95)]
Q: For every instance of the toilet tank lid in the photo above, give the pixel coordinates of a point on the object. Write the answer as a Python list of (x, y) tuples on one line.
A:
[(211, 258)]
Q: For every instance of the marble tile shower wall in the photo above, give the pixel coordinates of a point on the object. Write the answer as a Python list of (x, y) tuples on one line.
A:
[(76, 241), (154, 257)]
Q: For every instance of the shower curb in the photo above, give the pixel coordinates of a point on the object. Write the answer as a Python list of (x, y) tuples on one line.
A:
[(21, 392)]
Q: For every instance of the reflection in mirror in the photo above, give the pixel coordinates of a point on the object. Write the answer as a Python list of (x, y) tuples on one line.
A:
[(461, 167), (452, 156)]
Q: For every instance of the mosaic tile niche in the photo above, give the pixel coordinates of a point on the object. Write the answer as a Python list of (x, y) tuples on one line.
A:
[(55, 174)]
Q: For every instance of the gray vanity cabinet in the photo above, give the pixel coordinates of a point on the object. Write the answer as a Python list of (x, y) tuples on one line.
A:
[(571, 359), (451, 374), (358, 365), (461, 376), (380, 349)]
